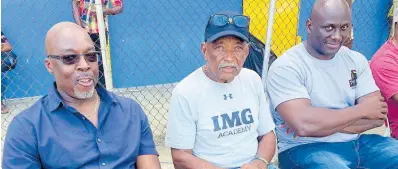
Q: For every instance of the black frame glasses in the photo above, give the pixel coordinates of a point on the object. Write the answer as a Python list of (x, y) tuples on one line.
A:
[(70, 59)]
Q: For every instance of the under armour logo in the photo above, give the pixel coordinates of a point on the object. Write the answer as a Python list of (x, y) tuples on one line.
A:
[(226, 97)]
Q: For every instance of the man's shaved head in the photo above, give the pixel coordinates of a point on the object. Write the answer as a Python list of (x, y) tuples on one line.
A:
[(328, 27), (63, 33), (320, 6)]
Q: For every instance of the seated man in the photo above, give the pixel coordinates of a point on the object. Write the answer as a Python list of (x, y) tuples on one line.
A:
[(384, 66), (78, 124), (323, 97), (219, 115)]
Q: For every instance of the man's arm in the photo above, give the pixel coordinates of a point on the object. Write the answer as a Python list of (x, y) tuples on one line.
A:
[(309, 121), (184, 159), (363, 125), (75, 12), (181, 133), (266, 149), (117, 8), (267, 146), (20, 149), (148, 162)]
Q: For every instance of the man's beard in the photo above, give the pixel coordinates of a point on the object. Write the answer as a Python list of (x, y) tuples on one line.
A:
[(84, 95)]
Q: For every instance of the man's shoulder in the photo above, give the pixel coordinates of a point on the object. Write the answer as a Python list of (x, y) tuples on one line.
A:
[(384, 49), (250, 77), (352, 55), (248, 73), (190, 82), (33, 115), (122, 100), (386, 53), (293, 58), (37, 108)]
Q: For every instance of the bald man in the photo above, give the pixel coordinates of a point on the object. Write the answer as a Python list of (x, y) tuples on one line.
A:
[(323, 97), (78, 124)]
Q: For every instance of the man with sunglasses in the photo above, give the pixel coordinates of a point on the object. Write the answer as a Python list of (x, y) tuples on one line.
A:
[(78, 124), (219, 115), (323, 96)]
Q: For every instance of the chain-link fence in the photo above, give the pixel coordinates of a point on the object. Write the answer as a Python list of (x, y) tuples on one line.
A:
[(154, 44)]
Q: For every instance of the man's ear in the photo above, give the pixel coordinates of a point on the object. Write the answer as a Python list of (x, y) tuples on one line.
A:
[(49, 65), (247, 49), (203, 49), (308, 25)]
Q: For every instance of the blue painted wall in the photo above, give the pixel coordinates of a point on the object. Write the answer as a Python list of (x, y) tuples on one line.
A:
[(369, 20), (25, 24), (151, 42), (155, 43)]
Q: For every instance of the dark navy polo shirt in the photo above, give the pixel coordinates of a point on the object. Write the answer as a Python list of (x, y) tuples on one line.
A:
[(51, 134)]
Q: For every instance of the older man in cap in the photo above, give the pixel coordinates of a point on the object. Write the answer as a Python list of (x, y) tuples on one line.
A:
[(219, 115), (78, 124)]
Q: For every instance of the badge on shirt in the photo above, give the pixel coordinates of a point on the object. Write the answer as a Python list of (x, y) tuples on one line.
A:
[(354, 77)]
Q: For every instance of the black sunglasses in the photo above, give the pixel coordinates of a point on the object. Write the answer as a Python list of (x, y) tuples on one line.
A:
[(71, 59), (222, 20)]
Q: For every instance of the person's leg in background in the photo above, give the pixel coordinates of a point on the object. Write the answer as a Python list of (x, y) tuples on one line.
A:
[(379, 152), (95, 38), (4, 108), (319, 156)]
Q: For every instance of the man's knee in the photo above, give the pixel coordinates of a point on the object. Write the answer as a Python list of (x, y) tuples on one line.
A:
[(376, 150), (313, 158)]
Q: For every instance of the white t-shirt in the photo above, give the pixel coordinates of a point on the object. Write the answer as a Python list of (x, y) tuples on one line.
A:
[(333, 84), (220, 122)]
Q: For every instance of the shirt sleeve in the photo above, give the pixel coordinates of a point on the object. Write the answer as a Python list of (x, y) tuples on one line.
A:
[(181, 126), (284, 84), (20, 150), (365, 82), (266, 122), (385, 73), (147, 145)]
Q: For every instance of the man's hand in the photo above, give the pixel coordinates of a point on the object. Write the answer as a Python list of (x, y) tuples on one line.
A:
[(288, 129), (255, 164), (374, 108)]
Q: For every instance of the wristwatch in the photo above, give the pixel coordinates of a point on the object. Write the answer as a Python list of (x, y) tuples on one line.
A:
[(262, 159)]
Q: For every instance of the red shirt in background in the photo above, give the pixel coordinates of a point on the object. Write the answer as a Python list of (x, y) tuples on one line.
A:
[(384, 66)]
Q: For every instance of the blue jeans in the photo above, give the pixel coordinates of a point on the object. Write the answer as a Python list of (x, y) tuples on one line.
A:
[(368, 151)]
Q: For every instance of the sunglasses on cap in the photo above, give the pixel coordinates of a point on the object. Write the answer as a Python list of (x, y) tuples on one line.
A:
[(71, 59), (222, 20)]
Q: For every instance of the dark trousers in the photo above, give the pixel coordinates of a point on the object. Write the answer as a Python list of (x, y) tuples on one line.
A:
[(95, 38)]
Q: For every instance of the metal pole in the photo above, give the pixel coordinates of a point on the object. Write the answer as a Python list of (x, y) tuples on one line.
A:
[(267, 49), (101, 27)]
